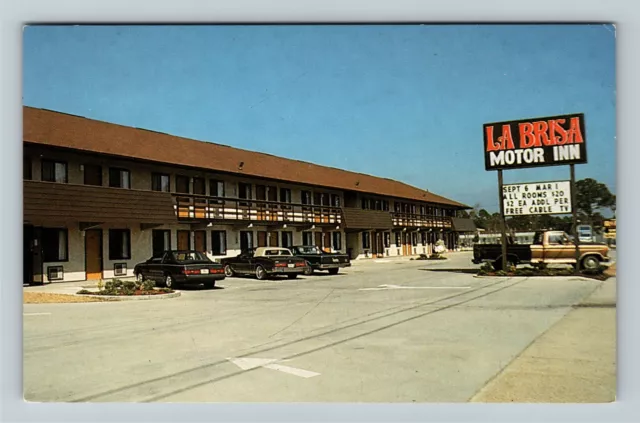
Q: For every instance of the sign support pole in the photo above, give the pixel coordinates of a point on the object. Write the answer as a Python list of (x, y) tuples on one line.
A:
[(574, 212), (502, 221)]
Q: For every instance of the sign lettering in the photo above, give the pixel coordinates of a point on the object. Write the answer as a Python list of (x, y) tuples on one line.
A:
[(537, 198)]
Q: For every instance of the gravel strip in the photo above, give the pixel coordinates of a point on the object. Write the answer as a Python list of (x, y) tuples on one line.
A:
[(45, 298)]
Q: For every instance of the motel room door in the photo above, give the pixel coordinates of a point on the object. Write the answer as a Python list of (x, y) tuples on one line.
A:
[(327, 242), (406, 244), (93, 253), (184, 240), (200, 241), (318, 239)]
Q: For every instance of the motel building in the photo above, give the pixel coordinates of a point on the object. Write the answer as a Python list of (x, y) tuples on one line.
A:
[(100, 197)]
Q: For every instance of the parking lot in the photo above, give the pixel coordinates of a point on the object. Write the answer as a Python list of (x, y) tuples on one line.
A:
[(388, 331)]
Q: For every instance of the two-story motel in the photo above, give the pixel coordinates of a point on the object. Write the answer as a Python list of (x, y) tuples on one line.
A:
[(100, 197)]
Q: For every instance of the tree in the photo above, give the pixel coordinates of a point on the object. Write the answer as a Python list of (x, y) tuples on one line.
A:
[(591, 197)]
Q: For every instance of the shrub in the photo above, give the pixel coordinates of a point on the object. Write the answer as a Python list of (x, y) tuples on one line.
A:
[(84, 291), (100, 285), (597, 271), (482, 272), (148, 285), (487, 267), (501, 273)]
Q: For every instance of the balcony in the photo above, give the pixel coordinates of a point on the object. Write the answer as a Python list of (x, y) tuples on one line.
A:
[(190, 207), (420, 221)]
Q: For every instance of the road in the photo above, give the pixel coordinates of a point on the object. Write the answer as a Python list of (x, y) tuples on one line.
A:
[(409, 331)]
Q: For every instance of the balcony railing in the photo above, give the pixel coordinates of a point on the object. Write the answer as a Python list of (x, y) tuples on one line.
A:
[(200, 207), (417, 221)]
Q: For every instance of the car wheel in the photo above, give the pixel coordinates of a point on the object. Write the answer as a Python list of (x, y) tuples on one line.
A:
[(292, 276), (169, 282), (590, 263), (228, 271), (139, 277), (333, 271), (308, 271), (261, 274)]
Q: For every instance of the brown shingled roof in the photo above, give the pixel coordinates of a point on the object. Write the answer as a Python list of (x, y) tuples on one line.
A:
[(69, 131)]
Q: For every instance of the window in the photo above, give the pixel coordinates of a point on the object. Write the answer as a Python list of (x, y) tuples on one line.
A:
[(160, 241), (287, 239), (199, 186), (119, 244), (366, 204), (307, 238), (397, 207), (53, 171), (366, 240), (182, 184), (398, 241), (216, 188), (424, 238), (92, 174), (385, 205), (387, 239), (378, 205), (246, 241), (55, 244), (335, 200), (160, 182), (556, 239), (306, 197), (422, 211), (337, 241), (285, 195), (414, 239), (119, 178), (26, 168), (218, 243)]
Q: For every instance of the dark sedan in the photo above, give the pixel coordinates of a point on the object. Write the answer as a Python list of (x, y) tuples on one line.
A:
[(264, 262), (174, 268), (321, 260)]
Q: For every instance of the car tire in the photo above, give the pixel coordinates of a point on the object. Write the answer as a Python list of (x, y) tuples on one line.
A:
[(333, 271), (261, 274), (308, 271), (228, 271), (292, 276), (169, 282), (139, 277), (590, 263)]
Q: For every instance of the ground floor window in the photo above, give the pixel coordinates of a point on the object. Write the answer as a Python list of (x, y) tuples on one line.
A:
[(398, 236), (55, 244), (414, 239), (160, 241), (387, 239), (366, 240), (246, 240), (307, 238), (337, 241), (119, 244), (287, 239), (423, 236), (219, 243)]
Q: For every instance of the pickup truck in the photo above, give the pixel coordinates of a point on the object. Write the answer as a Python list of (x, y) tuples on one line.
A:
[(548, 247)]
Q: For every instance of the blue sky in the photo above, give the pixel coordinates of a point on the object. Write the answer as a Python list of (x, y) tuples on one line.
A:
[(400, 101)]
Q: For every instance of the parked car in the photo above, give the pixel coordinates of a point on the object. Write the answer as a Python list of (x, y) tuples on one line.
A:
[(548, 247), (321, 260), (174, 268), (264, 262)]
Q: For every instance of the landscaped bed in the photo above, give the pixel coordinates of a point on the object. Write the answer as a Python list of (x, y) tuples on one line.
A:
[(601, 273), (119, 288)]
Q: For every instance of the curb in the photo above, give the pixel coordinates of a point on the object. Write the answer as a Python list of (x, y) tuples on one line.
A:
[(132, 297)]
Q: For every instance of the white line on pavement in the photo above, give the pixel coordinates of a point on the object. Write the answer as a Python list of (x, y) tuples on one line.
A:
[(36, 314), (384, 287)]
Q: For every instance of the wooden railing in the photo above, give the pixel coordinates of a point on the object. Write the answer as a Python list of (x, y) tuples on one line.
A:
[(200, 207), (416, 220)]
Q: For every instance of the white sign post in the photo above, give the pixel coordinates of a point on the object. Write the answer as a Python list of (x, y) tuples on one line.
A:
[(552, 197)]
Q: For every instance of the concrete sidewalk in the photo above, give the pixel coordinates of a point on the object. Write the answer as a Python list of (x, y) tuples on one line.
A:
[(574, 361)]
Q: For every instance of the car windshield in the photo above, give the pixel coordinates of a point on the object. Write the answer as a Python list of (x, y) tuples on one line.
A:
[(309, 250), (189, 256)]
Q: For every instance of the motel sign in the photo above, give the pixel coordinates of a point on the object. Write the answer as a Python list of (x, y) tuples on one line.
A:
[(549, 141)]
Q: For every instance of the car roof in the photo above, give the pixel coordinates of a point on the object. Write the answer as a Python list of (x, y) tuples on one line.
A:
[(260, 251)]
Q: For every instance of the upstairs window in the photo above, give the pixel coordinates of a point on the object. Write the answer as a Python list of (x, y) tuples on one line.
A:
[(160, 182), (335, 200), (119, 178), (54, 171), (93, 174), (306, 197), (26, 168), (216, 188), (285, 195), (199, 186), (182, 184)]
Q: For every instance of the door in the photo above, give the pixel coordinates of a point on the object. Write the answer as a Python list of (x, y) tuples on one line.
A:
[(262, 239), (273, 239), (199, 203), (93, 253), (272, 197), (32, 250), (200, 241), (327, 242), (184, 240), (406, 244), (261, 195), (379, 245), (318, 239)]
